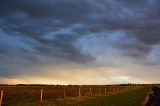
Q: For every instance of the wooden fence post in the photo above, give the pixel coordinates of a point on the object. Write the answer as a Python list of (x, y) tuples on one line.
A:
[(105, 91), (41, 95), (90, 90), (117, 89), (1, 98), (64, 93), (79, 91), (98, 91)]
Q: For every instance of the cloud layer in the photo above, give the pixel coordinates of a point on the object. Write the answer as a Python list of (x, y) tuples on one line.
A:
[(59, 36)]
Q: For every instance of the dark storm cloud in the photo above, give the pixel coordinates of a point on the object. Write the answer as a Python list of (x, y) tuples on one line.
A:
[(33, 29), (34, 19), (137, 50), (137, 18)]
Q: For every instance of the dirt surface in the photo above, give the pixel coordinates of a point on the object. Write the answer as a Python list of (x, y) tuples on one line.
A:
[(154, 99)]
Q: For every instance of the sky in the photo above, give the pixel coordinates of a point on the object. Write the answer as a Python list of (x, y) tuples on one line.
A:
[(79, 41)]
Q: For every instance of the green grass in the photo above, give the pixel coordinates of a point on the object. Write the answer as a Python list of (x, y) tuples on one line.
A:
[(130, 98), (127, 98)]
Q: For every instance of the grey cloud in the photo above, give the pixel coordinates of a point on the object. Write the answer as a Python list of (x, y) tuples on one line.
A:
[(54, 35), (134, 17), (44, 24), (136, 50), (34, 19)]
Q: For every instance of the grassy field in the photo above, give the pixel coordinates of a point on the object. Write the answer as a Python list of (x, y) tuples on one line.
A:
[(127, 98), (130, 98), (31, 94)]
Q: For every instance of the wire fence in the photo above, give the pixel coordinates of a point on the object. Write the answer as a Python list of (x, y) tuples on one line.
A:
[(13, 95)]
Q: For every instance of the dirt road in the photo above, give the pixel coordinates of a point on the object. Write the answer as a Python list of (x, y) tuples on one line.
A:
[(155, 98)]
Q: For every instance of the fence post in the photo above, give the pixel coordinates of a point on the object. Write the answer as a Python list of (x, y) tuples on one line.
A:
[(90, 90), (98, 91), (105, 91), (117, 89), (113, 89), (79, 91), (1, 98), (41, 95), (64, 93)]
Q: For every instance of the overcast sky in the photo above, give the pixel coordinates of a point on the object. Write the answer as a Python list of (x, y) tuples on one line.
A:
[(79, 41)]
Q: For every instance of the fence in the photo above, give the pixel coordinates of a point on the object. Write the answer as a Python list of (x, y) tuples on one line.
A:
[(32, 93), (1, 98)]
